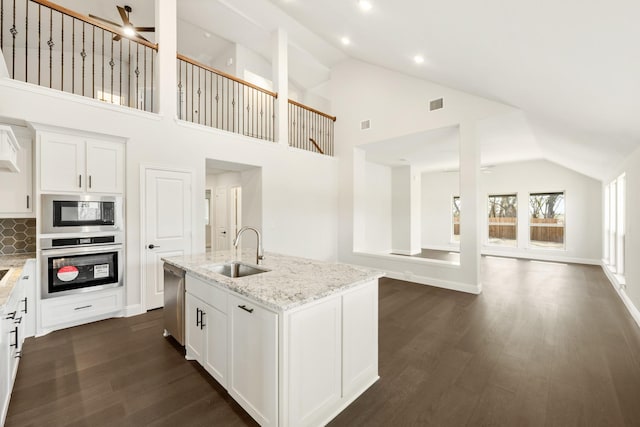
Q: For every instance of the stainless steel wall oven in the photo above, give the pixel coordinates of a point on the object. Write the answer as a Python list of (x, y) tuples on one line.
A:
[(83, 263)]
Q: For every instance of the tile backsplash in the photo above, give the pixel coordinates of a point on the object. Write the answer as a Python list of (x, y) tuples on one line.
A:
[(17, 235)]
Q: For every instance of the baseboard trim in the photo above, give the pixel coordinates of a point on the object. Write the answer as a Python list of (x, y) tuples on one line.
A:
[(133, 310), (620, 289), (439, 283), (540, 257)]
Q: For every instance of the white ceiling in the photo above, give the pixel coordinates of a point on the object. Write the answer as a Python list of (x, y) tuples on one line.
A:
[(571, 67)]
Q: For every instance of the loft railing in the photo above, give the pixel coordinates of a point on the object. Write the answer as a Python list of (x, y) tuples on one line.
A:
[(49, 45), (213, 98), (310, 129)]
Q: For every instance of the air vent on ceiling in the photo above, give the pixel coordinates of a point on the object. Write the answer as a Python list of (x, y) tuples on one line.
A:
[(365, 124), (436, 104)]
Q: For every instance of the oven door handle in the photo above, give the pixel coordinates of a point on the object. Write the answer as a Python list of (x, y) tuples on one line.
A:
[(82, 250)]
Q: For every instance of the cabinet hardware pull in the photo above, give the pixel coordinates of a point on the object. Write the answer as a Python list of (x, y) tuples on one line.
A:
[(244, 307), (27, 201), (83, 307), (15, 343), (18, 320), (11, 315), (89, 181), (79, 181), (25, 277), (198, 316), (25, 302), (202, 325)]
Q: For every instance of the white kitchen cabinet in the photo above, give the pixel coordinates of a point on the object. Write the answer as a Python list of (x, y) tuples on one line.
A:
[(359, 338), (315, 354), (16, 191), (253, 359), (12, 327), (206, 327), (75, 164)]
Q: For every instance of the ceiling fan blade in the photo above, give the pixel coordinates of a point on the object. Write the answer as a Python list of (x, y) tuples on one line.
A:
[(117, 37), (105, 20), (123, 15), (145, 29)]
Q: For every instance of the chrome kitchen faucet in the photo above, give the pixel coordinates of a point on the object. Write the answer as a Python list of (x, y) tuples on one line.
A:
[(259, 250)]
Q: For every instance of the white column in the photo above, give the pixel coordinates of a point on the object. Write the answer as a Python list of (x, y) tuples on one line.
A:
[(470, 214), (166, 31), (405, 211), (281, 84)]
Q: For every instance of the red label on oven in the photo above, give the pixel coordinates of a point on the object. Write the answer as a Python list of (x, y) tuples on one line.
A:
[(67, 273)]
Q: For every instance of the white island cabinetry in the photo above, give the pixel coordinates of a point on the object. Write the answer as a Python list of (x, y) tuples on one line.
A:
[(291, 354)]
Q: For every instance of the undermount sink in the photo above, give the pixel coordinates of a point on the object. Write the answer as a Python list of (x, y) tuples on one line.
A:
[(236, 269)]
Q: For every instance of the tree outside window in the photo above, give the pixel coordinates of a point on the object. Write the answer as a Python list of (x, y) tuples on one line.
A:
[(455, 233), (546, 220), (503, 220)]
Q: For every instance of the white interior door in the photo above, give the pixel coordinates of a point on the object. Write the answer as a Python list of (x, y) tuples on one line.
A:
[(222, 221), (167, 226)]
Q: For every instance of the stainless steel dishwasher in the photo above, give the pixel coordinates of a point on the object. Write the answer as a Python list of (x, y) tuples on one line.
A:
[(174, 302)]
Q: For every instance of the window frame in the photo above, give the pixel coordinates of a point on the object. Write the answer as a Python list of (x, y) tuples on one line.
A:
[(488, 225), (530, 245)]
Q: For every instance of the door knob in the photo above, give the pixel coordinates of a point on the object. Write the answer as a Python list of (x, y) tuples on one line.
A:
[(151, 246)]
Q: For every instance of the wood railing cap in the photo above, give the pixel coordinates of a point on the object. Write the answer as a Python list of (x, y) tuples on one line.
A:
[(94, 22), (313, 110), (223, 74)]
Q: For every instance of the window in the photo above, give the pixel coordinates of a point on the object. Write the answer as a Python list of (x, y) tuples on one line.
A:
[(546, 220), (614, 224), (503, 220), (455, 232)]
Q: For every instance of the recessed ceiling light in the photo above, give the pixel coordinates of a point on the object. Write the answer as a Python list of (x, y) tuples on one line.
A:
[(345, 41), (418, 59), (207, 35), (365, 5), (128, 30)]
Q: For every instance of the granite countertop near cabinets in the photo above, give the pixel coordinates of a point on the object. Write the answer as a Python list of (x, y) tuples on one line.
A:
[(15, 264), (290, 281)]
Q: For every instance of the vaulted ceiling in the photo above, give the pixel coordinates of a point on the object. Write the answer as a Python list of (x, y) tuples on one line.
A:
[(572, 68)]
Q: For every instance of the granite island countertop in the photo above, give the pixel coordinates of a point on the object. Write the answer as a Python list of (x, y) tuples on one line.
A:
[(291, 281), (15, 263)]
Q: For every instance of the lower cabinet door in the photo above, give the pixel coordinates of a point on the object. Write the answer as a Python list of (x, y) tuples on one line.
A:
[(315, 362), (194, 332), (253, 373), (215, 360)]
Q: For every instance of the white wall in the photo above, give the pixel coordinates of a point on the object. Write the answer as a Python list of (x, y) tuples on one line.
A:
[(583, 208), (398, 105), (630, 290), (378, 206), (438, 190), (299, 189), (582, 201)]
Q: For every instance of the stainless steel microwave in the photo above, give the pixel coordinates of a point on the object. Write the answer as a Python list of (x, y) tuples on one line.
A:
[(81, 213)]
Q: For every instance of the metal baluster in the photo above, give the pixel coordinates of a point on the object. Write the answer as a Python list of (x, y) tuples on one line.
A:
[(62, 52), (205, 97), (14, 31), (39, 39), (50, 43), (73, 55), (144, 86), (193, 83), (102, 62), (211, 100), (199, 93), (111, 64), (152, 87), (26, 41), (1, 24), (93, 62), (137, 71), (120, 70), (179, 89)]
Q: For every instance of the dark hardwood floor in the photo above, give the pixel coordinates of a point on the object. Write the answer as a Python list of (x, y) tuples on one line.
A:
[(545, 344)]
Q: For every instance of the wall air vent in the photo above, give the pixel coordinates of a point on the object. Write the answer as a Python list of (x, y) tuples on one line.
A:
[(436, 104), (365, 124)]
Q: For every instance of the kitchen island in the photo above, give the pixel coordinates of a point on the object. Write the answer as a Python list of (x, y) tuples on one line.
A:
[(293, 345)]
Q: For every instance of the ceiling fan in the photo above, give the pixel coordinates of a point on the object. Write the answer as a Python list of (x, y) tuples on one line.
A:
[(127, 27)]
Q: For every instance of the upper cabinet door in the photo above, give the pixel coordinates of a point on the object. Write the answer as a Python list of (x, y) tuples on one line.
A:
[(62, 163), (16, 191), (105, 167)]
